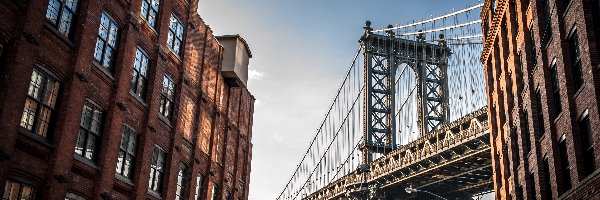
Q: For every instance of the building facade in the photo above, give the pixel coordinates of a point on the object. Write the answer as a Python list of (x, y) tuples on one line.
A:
[(119, 99), (542, 65)]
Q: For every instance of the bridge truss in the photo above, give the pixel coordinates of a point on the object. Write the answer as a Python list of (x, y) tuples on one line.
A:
[(408, 112)]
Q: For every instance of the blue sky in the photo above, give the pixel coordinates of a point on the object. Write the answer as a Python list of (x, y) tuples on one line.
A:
[(301, 49)]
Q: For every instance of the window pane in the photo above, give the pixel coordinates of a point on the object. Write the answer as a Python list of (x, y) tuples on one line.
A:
[(91, 145), (35, 85), (80, 142), (29, 114), (120, 162), (43, 121), (52, 11)]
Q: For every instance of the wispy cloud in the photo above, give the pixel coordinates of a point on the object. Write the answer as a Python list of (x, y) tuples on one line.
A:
[(254, 74)]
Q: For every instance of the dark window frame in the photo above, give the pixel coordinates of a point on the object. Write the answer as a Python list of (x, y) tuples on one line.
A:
[(199, 181), (547, 14), (139, 80), (555, 88), (127, 151), (167, 98), (575, 60), (45, 106), (176, 34), (21, 186), (66, 16), (87, 132), (157, 170), (587, 144), (180, 189), (147, 10), (109, 43), (564, 166)]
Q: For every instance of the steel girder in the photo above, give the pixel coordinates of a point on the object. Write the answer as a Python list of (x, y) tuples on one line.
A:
[(383, 55), (453, 161)]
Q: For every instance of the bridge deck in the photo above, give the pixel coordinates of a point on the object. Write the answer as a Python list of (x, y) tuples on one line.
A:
[(453, 161)]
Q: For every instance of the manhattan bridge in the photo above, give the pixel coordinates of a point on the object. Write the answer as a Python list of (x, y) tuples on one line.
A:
[(409, 118)]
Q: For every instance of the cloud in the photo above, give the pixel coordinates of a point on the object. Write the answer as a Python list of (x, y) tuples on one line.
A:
[(278, 138), (255, 75)]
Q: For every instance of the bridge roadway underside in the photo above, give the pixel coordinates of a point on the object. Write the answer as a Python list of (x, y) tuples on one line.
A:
[(456, 174), (453, 162)]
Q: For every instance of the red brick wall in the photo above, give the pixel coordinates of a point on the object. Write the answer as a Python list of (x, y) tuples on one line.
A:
[(203, 111), (511, 94)]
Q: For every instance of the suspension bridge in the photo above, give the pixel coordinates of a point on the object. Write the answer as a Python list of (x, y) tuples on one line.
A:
[(409, 116)]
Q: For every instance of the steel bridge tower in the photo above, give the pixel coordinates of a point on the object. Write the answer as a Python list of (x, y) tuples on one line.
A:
[(383, 55)]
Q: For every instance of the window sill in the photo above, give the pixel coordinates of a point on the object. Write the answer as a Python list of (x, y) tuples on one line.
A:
[(138, 98), (579, 91), (103, 70), (558, 117), (124, 179), (566, 10), (59, 34), (35, 137), (174, 55), (149, 27), (165, 120), (154, 194), (85, 161)]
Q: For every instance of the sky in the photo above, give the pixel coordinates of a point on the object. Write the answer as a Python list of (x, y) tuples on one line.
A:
[(301, 49)]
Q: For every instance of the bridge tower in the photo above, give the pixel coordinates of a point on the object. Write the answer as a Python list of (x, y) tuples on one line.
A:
[(383, 55)]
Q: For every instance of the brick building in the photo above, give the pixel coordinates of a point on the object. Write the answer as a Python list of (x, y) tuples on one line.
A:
[(542, 65), (120, 99)]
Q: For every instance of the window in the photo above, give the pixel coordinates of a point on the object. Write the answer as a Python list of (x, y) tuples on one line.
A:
[(40, 104), (513, 13), (157, 170), (71, 196), (106, 43), (564, 166), (596, 16), (214, 193), (181, 178), (546, 13), (533, 53), (587, 145), (532, 194), (175, 39), (228, 196), (199, 180), (574, 54), (565, 3), (540, 113), (515, 146), (127, 152), (555, 89), (18, 191), (547, 187), (61, 14), (167, 97), (139, 80), (527, 137), (520, 192), (89, 131), (150, 11)]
